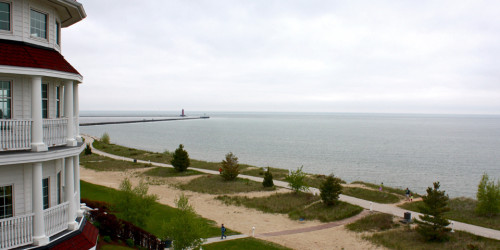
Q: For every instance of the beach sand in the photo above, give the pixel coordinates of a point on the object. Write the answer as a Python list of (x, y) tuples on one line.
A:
[(239, 218)]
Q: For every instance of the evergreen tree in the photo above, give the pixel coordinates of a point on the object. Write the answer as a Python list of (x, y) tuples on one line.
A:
[(433, 225), (180, 159), (330, 189), (488, 197), (297, 180), (230, 167), (268, 179)]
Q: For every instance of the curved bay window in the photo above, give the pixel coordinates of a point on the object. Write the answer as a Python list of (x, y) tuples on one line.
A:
[(6, 202), (5, 99)]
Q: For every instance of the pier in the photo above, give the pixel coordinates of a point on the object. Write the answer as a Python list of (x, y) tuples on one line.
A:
[(144, 120)]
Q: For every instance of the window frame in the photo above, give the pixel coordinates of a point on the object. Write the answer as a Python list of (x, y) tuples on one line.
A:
[(58, 33), (46, 38), (45, 101), (59, 187), (58, 91), (10, 17), (7, 98), (46, 205), (12, 201)]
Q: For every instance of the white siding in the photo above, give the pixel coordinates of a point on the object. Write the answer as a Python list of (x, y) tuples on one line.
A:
[(14, 175)]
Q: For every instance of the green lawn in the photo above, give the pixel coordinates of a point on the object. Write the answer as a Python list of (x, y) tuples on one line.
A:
[(160, 213), (169, 172), (214, 184), (462, 209), (102, 163), (245, 243), (370, 195)]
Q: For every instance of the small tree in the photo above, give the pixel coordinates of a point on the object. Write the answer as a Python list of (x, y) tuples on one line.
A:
[(230, 167), (185, 229), (180, 159), (330, 189), (433, 225), (488, 197), (268, 179), (105, 138), (296, 180), (135, 204)]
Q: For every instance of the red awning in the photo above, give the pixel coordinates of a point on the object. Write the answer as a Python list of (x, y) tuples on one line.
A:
[(86, 240), (21, 54)]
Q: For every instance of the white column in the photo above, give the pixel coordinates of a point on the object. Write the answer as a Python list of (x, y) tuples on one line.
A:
[(39, 237), (76, 112), (68, 109), (76, 172), (37, 143), (69, 192)]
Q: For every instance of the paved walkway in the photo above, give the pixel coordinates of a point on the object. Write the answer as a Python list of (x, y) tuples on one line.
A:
[(372, 206)]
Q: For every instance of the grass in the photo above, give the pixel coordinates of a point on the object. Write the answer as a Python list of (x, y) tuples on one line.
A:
[(461, 209), (169, 172), (102, 163), (245, 243), (373, 222), (370, 195), (213, 184), (396, 191), (404, 238), (297, 206), (133, 153), (160, 213)]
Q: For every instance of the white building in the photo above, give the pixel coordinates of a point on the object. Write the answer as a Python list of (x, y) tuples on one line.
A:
[(39, 142)]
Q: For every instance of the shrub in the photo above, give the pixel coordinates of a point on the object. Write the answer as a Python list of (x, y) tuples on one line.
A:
[(184, 228), (230, 167), (130, 242), (488, 197), (268, 179), (134, 204), (105, 138), (296, 180), (330, 190), (88, 150), (106, 239), (180, 159), (433, 225)]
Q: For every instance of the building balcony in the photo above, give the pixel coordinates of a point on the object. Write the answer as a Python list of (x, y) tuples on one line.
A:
[(16, 134)]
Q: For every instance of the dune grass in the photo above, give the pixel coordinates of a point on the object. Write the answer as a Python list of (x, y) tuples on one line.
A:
[(213, 184), (396, 191), (102, 163), (169, 172), (160, 213), (373, 222), (370, 195), (245, 243), (463, 210), (133, 153)]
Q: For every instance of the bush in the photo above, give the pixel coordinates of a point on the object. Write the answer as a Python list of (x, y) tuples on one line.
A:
[(488, 197), (230, 167), (296, 180), (135, 204), (88, 150), (184, 228), (433, 225), (330, 190), (268, 179), (106, 239), (180, 159), (105, 138)]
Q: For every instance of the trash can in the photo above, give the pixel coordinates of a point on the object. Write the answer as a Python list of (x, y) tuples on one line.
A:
[(168, 243), (407, 216), (135, 160)]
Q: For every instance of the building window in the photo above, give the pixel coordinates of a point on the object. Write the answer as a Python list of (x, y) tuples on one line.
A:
[(45, 188), (5, 99), (4, 16), (58, 101), (45, 100), (38, 24), (6, 202), (58, 33), (59, 188)]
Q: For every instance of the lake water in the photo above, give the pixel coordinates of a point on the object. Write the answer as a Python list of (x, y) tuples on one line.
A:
[(396, 149)]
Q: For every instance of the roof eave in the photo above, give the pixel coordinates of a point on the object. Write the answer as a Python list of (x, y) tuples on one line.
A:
[(70, 11)]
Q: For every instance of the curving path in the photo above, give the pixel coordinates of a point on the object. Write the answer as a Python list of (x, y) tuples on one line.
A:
[(372, 206)]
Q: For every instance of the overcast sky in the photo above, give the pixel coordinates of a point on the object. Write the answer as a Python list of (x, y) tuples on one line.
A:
[(263, 55)]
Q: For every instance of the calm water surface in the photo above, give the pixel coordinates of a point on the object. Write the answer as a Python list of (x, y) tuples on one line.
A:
[(399, 150)]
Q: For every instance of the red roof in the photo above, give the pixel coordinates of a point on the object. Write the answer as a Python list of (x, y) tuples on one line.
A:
[(86, 240), (24, 55)]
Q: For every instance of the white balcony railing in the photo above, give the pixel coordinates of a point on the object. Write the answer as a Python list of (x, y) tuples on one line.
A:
[(56, 218), (54, 131), (15, 134), (16, 231)]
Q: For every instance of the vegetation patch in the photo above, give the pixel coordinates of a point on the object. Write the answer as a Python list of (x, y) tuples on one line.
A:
[(169, 172), (396, 191), (404, 238), (370, 195), (133, 153), (102, 163), (216, 185), (373, 222), (320, 211), (159, 213), (463, 210), (245, 243)]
